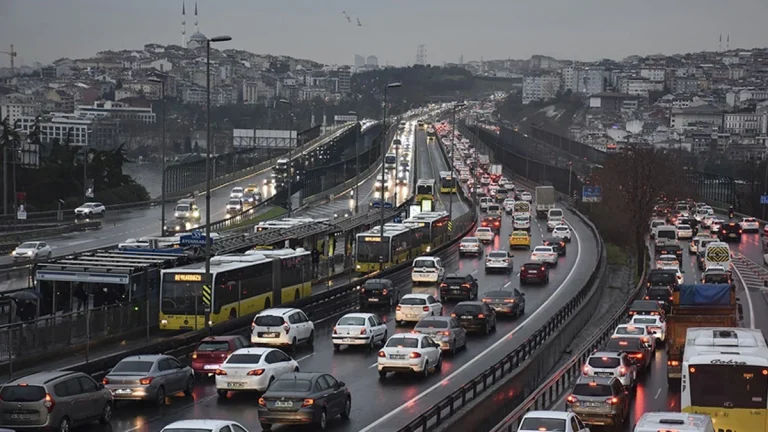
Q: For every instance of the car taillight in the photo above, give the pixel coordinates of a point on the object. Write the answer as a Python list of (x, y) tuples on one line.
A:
[(362, 331), (644, 339), (262, 402), (220, 372), (256, 372), (105, 381), (670, 298), (253, 325), (194, 355), (622, 371), (384, 291), (49, 403), (585, 370), (362, 290), (543, 268), (637, 356), (453, 315), (308, 402), (509, 300), (146, 381), (612, 400), (287, 327), (485, 300), (399, 307), (673, 363), (444, 333), (415, 355), (425, 308), (334, 331), (480, 316), (381, 354), (572, 399)]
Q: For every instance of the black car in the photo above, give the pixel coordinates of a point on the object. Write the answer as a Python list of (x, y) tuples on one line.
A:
[(639, 351), (475, 316), (505, 302), (675, 250), (379, 292), (455, 285), (730, 231), (661, 294), (304, 398), (558, 245), (661, 277), (646, 307)]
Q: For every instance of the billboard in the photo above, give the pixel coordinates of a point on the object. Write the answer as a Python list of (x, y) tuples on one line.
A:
[(263, 138), (344, 119)]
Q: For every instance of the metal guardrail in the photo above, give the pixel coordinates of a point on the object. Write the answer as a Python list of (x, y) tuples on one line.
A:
[(553, 390), (9, 241)]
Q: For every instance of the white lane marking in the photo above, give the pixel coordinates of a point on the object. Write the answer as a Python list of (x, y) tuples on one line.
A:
[(475, 271), (474, 359), (373, 365), (658, 392), (80, 242), (305, 357), (749, 298), (507, 284)]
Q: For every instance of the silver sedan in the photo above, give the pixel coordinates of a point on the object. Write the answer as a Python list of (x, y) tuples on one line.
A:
[(149, 378), (444, 330)]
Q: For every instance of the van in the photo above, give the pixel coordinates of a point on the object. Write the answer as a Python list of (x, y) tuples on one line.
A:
[(555, 213), (665, 235), (484, 203), (717, 254), (494, 210), (669, 421)]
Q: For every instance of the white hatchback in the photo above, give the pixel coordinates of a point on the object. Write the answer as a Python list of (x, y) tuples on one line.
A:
[(414, 307), (252, 369), (282, 327), (544, 255), (427, 269), (359, 329), (684, 231), (562, 232), (654, 323), (750, 224), (521, 222)]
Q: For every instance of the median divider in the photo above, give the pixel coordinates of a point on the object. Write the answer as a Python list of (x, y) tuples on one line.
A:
[(8, 242)]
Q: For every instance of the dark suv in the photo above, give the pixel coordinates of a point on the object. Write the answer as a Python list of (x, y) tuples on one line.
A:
[(58, 400), (599, 401), (376, 292), (730, 231), (535, 272), (475, 316), (640, 352), (675, 250), (646, 307), (459, 286)]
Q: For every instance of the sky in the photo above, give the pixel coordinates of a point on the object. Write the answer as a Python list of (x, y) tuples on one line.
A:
[(45, 30)]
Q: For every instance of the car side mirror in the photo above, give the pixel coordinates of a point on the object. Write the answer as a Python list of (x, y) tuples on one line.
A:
[(342, 384), (101, 386)]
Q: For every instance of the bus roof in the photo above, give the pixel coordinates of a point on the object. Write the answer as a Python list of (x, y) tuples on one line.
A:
[(228, 262), (445, 173), (390, 230), (275, 253), (425, 181), (707, 344)]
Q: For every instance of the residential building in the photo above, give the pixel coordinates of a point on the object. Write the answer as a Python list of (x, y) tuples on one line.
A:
[(684, 85), (257, 92), (119, 111), (593, 81), (344, 79), (570, 78), (193, 94), (653, 74), (359, 61), (15, 106), (640, 86), (59, 125), (745, 123), (681, 119), (58, 100), (150, 89), (610, 102), (540, 88)]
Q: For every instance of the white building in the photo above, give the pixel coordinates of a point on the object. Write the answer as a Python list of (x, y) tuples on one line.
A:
[(684, 118), (116, 110), (639, 86), (653, 74), (162, 65), (583, 80), (59, 125), (570, 78), (257, 92), (540, 88), (745, 123), (15, 108)]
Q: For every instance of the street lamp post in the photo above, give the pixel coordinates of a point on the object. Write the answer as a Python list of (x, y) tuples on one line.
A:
[(456, 106), (208, 278), (162, 155), (290, 154), (383, 152), (357, 158)]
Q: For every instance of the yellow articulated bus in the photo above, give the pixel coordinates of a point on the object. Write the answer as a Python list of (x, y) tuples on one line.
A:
[(425, 189), (400, 243), (434, 227), (447, 182), (725, 375), (242, 284)]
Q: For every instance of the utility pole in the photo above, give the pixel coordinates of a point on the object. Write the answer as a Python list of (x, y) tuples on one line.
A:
[(383, 153)]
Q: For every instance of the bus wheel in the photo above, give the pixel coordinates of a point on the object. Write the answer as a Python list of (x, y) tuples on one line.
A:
[(232, 313), (296, 296), (267, 303)]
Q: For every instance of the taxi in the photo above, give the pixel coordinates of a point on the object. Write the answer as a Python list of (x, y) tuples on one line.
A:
[(519, 239)]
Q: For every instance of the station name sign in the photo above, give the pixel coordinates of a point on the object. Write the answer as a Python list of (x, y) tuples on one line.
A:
[(188, 277)]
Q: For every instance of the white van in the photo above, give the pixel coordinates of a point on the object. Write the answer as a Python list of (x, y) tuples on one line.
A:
[(717, 254), (555, 213), (484, 203), (674, 421), (666, 235)]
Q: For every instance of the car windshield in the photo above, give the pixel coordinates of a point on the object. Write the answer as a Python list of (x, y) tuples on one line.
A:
[(749, 220), (543, 249), (666, 234), (521, 218), (403, 342), (561, 228), (543, 424), (27, 245), (291, 385), (467, 309), (483, 230), (182, 207), (269, 321), (634, 331), (497, 255), (604, 362), (639, 320), (471, 240), (87, 206), (213, 346), (592, 390), (421, 263), (234, 202), (498, 294), (22, 393), (413, 301), (351, 321), (239, 359), (133, 366), (532, 266), (237, 190), (661, 278), (684, 227), (432, 323)]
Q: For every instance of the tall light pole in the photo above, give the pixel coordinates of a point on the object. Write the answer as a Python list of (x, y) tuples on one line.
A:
[(456, 106), (384, 152), (208, 278), (162, 154), (357, 158), (290, 153)]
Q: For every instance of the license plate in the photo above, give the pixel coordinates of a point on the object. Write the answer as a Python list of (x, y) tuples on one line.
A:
[(211, 367), (593, 404), (498, 308), (397, 356), (466, 317), (236, 385), (21, 416), (373, 299), (454, 287), (347, 339), (123, 391), (269, 335), (284, 404), (532, 271), (604, 374)]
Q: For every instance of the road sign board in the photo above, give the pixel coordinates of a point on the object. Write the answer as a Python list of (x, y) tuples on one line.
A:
[(592, 194), (763, 199), (21, 215), (206, 295), (195, 238)]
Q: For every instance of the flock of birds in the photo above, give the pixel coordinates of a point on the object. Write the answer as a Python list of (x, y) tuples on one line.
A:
[(349, 19)]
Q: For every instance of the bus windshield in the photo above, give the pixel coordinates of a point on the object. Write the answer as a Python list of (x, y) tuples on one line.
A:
[(372, 251), (424, 190), (447, 181), (178, 298), (390, 159), (728, 386)]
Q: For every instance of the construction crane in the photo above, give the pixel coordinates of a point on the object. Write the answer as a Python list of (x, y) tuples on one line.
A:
[(11, 53)]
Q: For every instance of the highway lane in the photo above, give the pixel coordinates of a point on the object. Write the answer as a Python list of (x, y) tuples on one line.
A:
[(387, 405)]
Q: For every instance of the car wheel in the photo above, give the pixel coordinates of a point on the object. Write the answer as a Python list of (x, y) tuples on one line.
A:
[(439, 365), (371, 345), (384, 339), (311, 341), (323, 423), (64, 425), (425, 372), (336, 347), (160, 396), (294, 345), (453, 347), (347, 409), (106, 414), (382, 374), (487, 328), (190, 386)]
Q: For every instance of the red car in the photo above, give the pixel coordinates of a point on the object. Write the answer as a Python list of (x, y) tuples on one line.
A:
[(535, 272), (211, 352), (492, 222)]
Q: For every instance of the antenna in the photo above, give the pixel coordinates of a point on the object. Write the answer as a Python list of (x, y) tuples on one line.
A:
[(421, 55)]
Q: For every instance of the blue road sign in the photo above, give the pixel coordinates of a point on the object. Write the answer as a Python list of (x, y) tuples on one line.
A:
[(592, 194), (763, 199), (195, 238)]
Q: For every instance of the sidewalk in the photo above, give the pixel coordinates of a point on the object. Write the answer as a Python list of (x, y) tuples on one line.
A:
[(101, 347)]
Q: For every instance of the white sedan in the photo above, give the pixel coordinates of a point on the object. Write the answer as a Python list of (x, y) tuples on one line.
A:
[(544, 254), (414, 307), (667, 262), (485, 234), (526, 196), (655, 325), (204, 425), (750, 224), (521, 222), (562, 232), (251, 369), (359, 329), (564, 421), (237, 193), (408, 352), (633, 331), (485, 180), (32, 251), (684, 231)]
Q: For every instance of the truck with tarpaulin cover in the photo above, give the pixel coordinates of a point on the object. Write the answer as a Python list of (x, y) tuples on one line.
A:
[(700, 305)]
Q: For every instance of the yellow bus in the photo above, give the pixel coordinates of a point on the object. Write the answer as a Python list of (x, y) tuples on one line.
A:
[(434, 229), (725, 375), (242, 284), (425, 189), (400, 243), (447, 182)]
